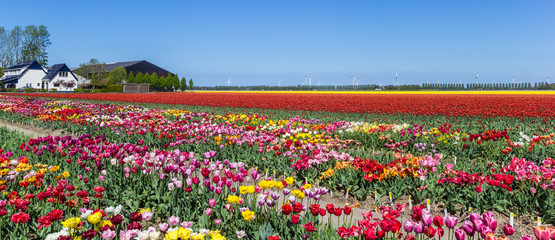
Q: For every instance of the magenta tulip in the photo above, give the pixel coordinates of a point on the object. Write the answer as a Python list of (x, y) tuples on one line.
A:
[(451, 221), (508, 229), (409, 225), (418, 227), (459, 234)]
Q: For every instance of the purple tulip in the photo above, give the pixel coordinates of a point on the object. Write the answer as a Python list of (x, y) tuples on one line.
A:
[(409, 225), (451, 221), (418, 227), (459, 234)]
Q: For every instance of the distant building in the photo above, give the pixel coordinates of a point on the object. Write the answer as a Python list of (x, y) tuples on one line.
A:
[(32, 75), (136, 67)]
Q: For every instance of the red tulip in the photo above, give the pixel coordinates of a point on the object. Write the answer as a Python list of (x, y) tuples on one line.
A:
[(438, 221), (20, 217), (295, 218), (429, 231), (309, 227), (347, 210), (286, 209)]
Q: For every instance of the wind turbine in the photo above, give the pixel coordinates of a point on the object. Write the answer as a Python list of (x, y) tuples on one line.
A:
[(305, 79), (228, 81), (310, 81), (477, 75), (279, 81), (547, 79), (513, 79), (396, 79), (319, 83), (353, 79), (437, 78)]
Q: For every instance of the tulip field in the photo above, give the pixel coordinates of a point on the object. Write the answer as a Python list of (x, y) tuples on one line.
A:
[(278, 166)]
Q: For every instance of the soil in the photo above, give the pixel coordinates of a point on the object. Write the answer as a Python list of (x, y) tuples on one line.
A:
[(31, 131)]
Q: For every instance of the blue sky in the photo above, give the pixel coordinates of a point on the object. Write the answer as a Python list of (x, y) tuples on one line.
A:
[(261, 42)]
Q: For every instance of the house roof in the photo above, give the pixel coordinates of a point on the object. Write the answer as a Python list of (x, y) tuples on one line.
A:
[(52, 72), (21, 65), (110, 66), (10, 78)]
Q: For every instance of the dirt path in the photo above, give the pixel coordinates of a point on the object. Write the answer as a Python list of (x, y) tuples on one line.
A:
[(31, 131)]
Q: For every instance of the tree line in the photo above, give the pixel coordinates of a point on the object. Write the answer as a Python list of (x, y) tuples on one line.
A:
[(23, 44)]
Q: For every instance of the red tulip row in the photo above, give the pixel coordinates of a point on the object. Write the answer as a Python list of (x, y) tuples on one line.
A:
[(420, 104)]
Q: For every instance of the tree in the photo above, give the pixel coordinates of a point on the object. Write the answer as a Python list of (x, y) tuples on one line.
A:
[(154, 83), (191, 84), (1, 72), (175, 82), (34, 44), (153, 79), (10, 46), (93, 69), (183, 85), (3, 48), (163, 82), (145, 79), (130, 78), (117, 75), (138, 78)]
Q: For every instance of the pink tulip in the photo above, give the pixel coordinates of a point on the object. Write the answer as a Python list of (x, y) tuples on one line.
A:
[(451, 221), (459, 234), (542, 233), (508, 229), (473, 216), (526, 237), (478, 225), (211, 202), (491, 222), (427, 219), (418, 227), (217, 221), (409, 225), (208, 211), (468, 227)]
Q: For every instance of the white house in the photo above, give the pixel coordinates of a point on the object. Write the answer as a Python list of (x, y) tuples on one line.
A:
[(32, 75), (60, 77)]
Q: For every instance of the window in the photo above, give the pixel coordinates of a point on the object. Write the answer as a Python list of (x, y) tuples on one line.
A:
[(38, 84)]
